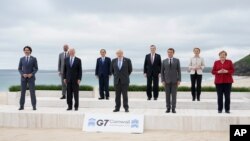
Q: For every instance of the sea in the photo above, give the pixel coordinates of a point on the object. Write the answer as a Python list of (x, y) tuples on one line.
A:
[(50, 77)]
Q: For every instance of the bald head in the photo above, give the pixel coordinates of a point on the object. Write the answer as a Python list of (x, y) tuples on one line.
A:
[(65, 48), (119, 53), (71, 52)]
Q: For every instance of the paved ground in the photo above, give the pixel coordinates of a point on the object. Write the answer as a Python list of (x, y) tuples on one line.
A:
[(20, 134)]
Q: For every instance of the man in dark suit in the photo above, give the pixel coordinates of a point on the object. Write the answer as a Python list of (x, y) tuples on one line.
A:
[(72, 78), (121, 68), (171, 78), (102, 72), (61, 62), (152, 70), (28, 68)]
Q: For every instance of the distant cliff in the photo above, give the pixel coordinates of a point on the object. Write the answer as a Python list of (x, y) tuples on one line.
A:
[(242, 67)]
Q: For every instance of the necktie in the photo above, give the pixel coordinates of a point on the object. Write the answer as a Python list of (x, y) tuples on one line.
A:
[(27, 59), (71, 62), (152, 58), (103, 60), (65, 55), (170, 62), (120, 64)]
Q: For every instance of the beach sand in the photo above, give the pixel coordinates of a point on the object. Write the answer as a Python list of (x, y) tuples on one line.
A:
[(20, 134)]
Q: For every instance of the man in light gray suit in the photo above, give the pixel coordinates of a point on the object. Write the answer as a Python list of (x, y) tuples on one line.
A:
[(121, 68), (27, 69), (171, 78), (61, 62)]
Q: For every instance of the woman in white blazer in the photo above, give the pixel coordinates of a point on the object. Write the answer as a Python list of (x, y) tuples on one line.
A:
[(196, 67)]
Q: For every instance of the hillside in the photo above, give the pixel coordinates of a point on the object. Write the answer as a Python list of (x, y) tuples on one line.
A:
[(242, 67)]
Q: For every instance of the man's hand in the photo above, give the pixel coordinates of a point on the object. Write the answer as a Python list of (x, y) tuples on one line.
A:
[(25, 75), (159, 75), (97, 76), (78, 82), (163, 83), (145, 74), (178, 83), (65, 81), (30, 75), (59, 73)]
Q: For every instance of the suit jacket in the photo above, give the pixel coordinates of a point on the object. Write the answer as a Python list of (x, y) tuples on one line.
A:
[(121, 75), (74, 73), (152, 69), (61, 62), (103, 68), (28, 68), (171, 74)]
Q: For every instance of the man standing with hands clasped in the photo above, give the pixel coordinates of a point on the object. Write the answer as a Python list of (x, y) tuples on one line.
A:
[(28, 68), (72, 78), (171, 78)]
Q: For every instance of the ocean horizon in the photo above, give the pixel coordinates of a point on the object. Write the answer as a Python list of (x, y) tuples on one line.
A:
[(51, 77)]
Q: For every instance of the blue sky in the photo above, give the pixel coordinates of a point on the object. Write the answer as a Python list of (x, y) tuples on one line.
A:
[(88, 26)]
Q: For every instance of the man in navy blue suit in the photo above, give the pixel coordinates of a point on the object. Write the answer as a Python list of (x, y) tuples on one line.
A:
[(27, 69), (103, 73), (72, 75)]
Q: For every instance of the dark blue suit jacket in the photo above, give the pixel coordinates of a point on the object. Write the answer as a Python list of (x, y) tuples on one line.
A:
[(103, 68), (28, 68), (74, 73)]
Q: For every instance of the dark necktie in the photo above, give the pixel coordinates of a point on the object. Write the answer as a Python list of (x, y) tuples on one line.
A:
[(71, 62), (65, 55), (170, 63), (27, 59)]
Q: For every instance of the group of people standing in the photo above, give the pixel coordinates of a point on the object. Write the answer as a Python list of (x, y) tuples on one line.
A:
[(167, 71)]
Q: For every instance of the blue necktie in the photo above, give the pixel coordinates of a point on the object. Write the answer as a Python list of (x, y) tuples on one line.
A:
[(71, 62), (120, 64)]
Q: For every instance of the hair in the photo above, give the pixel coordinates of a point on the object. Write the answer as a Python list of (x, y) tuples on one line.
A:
[(28, 47), (171, 49), (223, 51), (103, 50), (197, 49), (153, 46)]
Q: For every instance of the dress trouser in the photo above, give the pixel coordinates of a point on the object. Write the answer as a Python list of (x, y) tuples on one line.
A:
[(155, 80), (31, 83), (104, 86), (223, 89), (73, 91), (121, 89), (196, 80), (171, 95)]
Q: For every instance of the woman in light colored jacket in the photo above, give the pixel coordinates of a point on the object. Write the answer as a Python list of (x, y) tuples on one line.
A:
[(196, 67)]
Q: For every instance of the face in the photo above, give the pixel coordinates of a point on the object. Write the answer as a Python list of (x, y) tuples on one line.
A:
[(223, 56), (27, 52), (119, 54), (196, 52), (72, 52), (170, 53), (103, 53), (65, 48), (152, 49)]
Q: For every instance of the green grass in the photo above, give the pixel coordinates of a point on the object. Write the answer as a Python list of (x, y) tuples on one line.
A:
[(132, 88), (49, 87)]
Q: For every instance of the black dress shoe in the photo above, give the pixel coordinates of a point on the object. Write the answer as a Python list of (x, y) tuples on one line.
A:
[(107, 98), (149, 98), (126, 110), (21, 108), (168, 111), (34, 108), (100, 98), (198, 99), (63, 97), (76, 109), (228, 112), (155, 98), (69, 109), (173, 111), (116, 110), (193, 99), (219, 112)]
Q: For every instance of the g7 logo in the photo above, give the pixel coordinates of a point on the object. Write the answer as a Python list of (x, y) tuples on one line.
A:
[(101, 122)]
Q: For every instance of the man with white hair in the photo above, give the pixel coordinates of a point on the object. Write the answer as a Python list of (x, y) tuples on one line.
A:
[(121, 68), (72, 78)]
